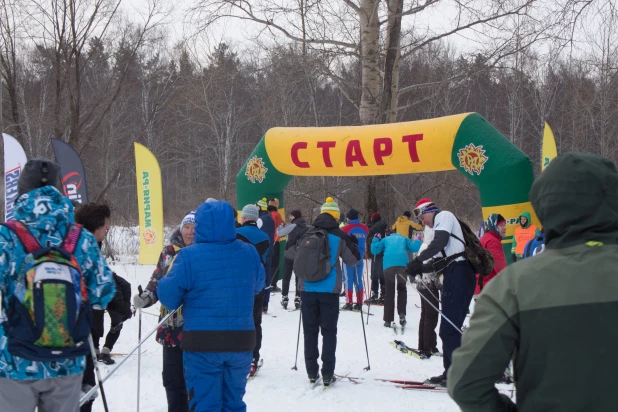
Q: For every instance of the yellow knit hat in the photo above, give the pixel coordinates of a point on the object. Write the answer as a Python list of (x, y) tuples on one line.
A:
[(331, 207), (262, 204)]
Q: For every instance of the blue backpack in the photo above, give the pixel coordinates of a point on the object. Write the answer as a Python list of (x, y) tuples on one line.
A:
[(48, 316), (534, 246)]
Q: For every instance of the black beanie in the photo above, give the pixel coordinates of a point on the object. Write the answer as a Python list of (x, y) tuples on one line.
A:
[(296, 213), (407, 214), (37, 173), (352, 214)]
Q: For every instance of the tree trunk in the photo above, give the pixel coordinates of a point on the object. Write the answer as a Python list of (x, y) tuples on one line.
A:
[(370, 60), (390, 92)]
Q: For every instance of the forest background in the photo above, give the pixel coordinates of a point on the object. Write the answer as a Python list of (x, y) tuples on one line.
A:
[(102, 74)]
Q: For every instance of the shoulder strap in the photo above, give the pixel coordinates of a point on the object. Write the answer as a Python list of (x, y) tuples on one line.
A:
[(30, 243), (70, 240)]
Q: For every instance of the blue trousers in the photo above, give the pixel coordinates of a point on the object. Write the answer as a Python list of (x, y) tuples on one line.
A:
[(216, 380), (457, 291), (353, 275), (320, 312)]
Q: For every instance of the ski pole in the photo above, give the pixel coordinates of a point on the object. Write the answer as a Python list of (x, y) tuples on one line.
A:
[(369, 299), (439, 311), (91, 391), (95, 362), (139, 352), (300, 317), (362, 322)]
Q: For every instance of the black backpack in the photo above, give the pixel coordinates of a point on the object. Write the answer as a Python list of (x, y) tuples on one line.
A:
[(312, 259), (480, 258)]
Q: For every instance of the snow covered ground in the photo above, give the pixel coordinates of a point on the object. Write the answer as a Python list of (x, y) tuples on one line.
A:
[(277, 387)]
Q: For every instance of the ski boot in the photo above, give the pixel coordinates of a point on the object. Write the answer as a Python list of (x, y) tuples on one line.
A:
[(373, 299), (439, 380), (313, 379), (381, 299), (297, 302), (254, 367), (402, 320), (105, 357), (327, 380), (436, 352), (275, 289), (388, 324), (284, 302), (347, 306), (357, 306)]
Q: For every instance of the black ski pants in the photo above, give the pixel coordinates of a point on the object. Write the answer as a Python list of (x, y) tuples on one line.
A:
[(258, 301), (98, 329), (288, 268), (174, 380), (457, 291), (395, 275), (377, 274), (274, 265), (427, 339), (320, 313)]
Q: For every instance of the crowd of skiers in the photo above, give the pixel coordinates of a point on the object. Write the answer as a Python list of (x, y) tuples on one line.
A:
[(215, 277)]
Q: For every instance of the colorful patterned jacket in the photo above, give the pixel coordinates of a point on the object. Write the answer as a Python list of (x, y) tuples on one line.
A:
[(47, 213), (169, 334)]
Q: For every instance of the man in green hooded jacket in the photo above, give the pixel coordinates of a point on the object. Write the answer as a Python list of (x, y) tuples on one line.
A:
[(542, 312), (524, 233)]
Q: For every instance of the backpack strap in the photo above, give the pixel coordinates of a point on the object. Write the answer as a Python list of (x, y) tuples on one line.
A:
[(27, 239), (70, 240)]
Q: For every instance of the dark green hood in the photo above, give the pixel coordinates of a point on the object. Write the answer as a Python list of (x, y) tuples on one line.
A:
[(576, 200), (527, 216)]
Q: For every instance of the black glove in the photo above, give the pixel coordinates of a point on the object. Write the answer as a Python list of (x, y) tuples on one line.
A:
[(414, 268), (514, 256)]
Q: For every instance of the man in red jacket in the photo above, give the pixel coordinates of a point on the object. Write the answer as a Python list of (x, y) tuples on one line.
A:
[(495, 229)]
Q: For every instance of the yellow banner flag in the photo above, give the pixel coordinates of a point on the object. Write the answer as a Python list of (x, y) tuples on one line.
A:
[(150, 203), (548, 151)]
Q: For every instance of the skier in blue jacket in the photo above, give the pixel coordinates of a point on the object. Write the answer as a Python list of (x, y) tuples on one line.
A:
[(353, 275), (215, 280), (395, 248)]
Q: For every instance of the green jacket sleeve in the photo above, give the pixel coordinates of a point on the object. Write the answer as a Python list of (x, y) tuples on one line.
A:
[(486, 350), (514, 243)]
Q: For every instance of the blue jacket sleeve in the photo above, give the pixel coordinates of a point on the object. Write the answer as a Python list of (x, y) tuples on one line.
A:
[(377, 246), (173, 287), (261, 275), (413, 247)]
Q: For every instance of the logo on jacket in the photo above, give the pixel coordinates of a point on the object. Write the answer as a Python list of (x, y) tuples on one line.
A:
[(472, 159), (150, 237), (256, 170), (70, 186)]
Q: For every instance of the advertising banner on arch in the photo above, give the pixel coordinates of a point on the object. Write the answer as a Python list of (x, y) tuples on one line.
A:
[(72, 171), (14, 161), (150, 204)]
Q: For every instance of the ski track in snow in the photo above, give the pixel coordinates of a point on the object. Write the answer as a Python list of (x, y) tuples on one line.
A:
[(278, 387)]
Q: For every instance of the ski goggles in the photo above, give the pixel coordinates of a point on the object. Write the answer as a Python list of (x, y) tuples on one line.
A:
[(425, 209)]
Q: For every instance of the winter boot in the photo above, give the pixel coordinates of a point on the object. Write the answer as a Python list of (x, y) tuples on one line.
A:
[(297, 302), (402, 320), (284, 302), (356, 306), (347, 306), (105, 357)]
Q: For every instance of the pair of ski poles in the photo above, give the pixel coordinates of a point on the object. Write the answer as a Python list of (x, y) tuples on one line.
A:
[(87, 396), (295, 367)]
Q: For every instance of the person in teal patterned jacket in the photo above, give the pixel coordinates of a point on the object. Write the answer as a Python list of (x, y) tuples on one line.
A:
[(50, 385)]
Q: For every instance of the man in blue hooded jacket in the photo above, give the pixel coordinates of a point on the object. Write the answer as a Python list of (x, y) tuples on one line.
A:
[(215, 280)]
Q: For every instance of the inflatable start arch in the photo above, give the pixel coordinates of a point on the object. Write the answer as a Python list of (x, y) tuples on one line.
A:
[(464, 142)]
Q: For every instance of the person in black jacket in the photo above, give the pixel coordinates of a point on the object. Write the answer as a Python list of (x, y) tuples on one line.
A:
[(378, 229), (292, 231), (96, 219)]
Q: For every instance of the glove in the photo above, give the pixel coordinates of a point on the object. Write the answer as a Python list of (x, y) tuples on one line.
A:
[(414, 268), (140, 301)]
